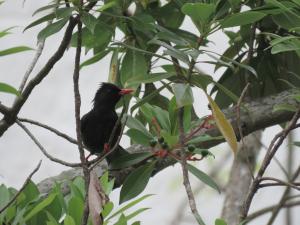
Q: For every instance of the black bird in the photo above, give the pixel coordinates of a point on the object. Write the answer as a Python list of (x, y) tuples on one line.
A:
[(98, 124)]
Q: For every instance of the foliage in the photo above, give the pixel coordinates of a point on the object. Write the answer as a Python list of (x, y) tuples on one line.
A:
[(156, 54), (55, 208)]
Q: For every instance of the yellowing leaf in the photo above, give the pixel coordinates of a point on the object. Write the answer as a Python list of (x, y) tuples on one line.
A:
[(223, 124)]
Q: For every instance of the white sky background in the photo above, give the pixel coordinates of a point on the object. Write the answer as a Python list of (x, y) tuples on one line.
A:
[(52, 103)]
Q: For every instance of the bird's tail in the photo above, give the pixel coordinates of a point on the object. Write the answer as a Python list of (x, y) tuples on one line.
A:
[(116, 154)]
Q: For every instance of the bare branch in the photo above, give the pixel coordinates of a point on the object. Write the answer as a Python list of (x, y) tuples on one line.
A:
[(278, 182), (43, 150), (185, 174), (263, 211), (10, 117), (22, 188), (51, 129), (284, 196), (77, 101), (275, 144)]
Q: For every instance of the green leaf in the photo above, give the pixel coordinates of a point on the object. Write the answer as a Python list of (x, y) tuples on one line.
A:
[(107, 184), (154, 77), (122, 220), (133, 65), (136, 182), (8, 89), (220, 222), (285, 107), (5, 196), (107, 6), (138, 137), (51, 6), (180, 55), (146, 99), (170, 139), (52, 220), (133, 123), (183, 94), (89, 21), (108, 207), (5, 32), (297, 143), (136, 223), (199, 12), (129, 160), (203, 177), (129, 205), (243, 18), (137, 212), (113, 76), (52, 29), (43, 19), (69, 221), (204, 138), (162, 117), (14, 50), (75, 209), (97, 57), (40, 206)]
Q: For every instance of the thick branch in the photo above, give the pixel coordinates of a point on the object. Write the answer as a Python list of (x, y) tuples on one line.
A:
[(11, 116)]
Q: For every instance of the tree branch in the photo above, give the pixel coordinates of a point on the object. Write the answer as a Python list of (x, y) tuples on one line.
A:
[(275, 144), (22, 188), (11, 116), (185, 174)]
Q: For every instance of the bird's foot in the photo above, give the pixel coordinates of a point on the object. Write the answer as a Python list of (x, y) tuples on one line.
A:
[(87, 158), (106, 148)]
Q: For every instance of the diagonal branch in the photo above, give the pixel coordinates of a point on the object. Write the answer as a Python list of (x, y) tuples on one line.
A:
[(11, 116), (22, 188), (275, 144)]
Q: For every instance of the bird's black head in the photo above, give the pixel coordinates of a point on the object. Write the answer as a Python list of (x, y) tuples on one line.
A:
[(108, 95)]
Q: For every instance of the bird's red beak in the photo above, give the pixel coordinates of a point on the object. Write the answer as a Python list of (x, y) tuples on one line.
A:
[(126, 91)]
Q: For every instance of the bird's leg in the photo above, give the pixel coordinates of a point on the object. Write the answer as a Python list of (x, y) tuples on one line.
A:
[(106, 148), (89, 155)]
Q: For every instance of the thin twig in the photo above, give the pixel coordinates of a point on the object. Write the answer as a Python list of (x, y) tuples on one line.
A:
[(22, 188), (263, 211), (38, 53), (43, 150), (51, 129), (278, 182), (276, 210), (217, 167), (275, 158), (275, 144), (10, 117), (183, 162), (77, 101)]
